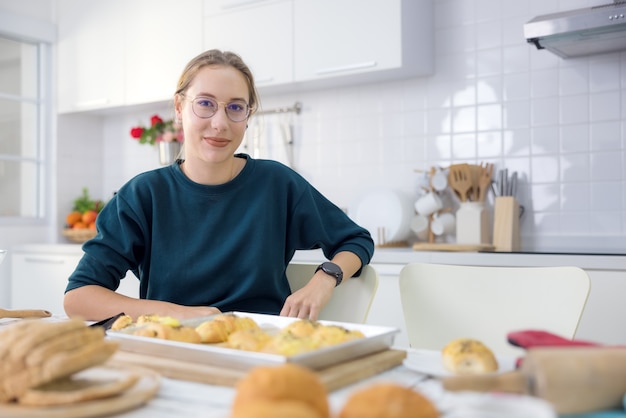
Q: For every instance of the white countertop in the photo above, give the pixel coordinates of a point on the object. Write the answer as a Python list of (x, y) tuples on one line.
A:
[(408, 255)]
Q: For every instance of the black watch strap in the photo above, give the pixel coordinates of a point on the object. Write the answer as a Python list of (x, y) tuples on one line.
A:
[(333, 270)]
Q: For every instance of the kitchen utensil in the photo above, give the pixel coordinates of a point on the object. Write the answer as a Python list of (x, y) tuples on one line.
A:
[(24, 313), (574, 379), (460, 179), (484, 181)]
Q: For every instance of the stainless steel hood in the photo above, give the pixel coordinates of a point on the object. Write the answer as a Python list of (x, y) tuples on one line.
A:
[(581, 32)]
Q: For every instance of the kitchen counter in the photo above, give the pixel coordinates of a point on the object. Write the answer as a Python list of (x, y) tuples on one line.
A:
[(408, 255)]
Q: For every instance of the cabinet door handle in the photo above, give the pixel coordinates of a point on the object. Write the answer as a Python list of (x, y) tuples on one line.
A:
[(43, 260), (91, 103), (350, 67)]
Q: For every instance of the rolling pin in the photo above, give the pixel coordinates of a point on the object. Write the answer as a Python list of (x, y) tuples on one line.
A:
[(574, 379), (24, 313)]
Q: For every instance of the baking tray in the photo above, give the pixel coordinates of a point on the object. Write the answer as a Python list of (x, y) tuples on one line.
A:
[(377, 338)]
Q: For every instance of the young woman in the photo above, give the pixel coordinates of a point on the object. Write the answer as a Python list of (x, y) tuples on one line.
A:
[(215, 231)]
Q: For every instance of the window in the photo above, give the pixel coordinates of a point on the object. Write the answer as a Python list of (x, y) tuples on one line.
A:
[(24, 116)]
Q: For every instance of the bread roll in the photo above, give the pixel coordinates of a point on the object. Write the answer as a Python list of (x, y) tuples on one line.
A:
[(468, 356), (276, 409), (388, 400), (279, 383)]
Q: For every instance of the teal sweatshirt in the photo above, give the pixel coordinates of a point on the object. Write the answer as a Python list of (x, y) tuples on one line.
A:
[(225, 246)]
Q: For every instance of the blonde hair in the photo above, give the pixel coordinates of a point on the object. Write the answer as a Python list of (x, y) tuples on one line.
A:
[(223, 58)]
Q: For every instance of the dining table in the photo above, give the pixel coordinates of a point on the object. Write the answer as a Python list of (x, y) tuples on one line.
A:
[(420, 370)]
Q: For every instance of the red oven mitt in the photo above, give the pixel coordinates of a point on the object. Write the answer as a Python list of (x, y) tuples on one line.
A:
[(538, 338)]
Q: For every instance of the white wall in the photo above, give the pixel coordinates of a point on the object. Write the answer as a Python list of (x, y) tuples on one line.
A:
[(493, 98)]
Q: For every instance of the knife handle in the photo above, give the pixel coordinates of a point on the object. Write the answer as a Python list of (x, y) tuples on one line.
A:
[(510, 382), (24, 313)]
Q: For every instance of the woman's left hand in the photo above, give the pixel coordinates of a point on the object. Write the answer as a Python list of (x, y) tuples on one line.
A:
[(307, 302)]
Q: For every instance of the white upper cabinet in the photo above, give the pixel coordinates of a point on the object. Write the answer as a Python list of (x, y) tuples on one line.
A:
[(162, 36), (119, 53), (90, 53), (260, 31), (362, 40)]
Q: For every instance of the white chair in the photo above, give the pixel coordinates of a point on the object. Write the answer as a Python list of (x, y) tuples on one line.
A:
[(444, 302), (350, 301)]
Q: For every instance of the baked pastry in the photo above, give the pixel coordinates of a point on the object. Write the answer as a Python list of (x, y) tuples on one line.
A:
[(301, 328), (287, 344), (468, 356), (388, 400), (327, 335), (122, 322), (166, 332), (286, 382), (249, 339), (217, 329), (150, 318), (276, 409), (212, 332)]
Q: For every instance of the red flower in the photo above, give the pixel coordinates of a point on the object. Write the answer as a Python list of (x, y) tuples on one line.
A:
[(136, 132), (154, 120)]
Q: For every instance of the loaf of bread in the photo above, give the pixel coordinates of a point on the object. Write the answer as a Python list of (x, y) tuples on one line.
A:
[(388, 400), (36, 352), (468, 356), (287, 382)]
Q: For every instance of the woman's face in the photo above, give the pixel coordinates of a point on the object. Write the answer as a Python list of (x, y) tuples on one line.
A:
[(214, 139)]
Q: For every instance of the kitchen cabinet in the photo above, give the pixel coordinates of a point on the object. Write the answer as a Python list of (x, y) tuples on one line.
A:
[(261, 32), (323, 43), (158, 46), (90, 55), (362, 40), (39, 277), (119, 53)]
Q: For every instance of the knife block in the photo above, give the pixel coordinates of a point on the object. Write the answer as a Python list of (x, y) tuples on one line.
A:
[(506, 224)]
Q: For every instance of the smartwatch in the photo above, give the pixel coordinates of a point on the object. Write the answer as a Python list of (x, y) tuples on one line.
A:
[(331, 269)]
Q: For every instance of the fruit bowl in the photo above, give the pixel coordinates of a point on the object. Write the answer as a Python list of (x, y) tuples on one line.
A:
[(79, 235)]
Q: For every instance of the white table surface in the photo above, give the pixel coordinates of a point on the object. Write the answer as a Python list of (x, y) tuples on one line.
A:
[(182, 399), (189, 399)]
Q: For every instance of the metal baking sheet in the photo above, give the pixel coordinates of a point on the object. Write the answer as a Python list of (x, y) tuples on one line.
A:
[(377, 338)]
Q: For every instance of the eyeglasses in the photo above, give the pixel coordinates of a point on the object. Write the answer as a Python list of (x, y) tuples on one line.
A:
[(206, 107)]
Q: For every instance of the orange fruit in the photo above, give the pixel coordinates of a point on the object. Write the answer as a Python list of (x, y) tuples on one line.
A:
[(92, 226), (73, 217), (79, 225), (89, 217)]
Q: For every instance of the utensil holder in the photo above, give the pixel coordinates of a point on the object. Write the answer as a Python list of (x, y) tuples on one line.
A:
[(472, 223), (506, 224)]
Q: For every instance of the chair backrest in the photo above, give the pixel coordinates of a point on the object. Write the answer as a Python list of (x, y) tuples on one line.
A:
[(444, 302), (350, 301)]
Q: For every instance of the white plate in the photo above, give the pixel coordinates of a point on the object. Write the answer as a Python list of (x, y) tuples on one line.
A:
[(429, 362), (385, 210)]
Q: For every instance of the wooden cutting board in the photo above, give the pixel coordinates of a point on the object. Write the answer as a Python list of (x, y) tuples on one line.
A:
[(144, 390), (333, 377), (427, 246)]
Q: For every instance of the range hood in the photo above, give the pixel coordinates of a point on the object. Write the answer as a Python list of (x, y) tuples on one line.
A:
[(580, 32)]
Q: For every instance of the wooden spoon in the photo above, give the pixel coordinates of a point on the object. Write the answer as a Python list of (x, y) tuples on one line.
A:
[(484, 181), (460, 180), (24, 313)]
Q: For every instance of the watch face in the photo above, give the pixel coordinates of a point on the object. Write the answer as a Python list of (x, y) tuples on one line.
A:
[(331, 268)]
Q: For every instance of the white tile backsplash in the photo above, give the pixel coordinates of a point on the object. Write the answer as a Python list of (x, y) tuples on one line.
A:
[(560, 123)]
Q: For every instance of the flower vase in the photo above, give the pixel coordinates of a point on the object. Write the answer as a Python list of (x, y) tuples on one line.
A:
[(168, 152)]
